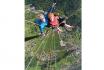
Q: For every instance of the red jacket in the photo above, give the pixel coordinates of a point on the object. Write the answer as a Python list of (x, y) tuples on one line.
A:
[(54, 22)]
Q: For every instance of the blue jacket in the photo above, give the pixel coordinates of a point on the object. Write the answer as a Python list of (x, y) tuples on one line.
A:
[(41, 24)]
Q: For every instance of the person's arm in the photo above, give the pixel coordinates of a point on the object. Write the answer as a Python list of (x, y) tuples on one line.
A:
[(50, 9), (36, 21)]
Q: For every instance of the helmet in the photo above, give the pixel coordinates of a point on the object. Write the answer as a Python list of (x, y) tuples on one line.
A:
[(41, 16), (56, 14)]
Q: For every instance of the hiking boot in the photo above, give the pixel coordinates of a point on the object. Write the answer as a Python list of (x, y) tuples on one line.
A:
[(43, 34)]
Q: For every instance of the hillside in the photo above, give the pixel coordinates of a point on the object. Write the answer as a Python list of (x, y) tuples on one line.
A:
[(46, 53)]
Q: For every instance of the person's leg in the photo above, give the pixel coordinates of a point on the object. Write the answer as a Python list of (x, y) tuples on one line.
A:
[(42, 27), (62, 21), (68, 27), (63, 24), (41, 31)]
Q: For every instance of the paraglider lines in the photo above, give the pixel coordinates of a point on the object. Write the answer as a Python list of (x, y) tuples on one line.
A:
[(35, 53)]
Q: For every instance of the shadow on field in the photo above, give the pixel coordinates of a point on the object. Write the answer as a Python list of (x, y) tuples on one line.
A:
[(31, 37)]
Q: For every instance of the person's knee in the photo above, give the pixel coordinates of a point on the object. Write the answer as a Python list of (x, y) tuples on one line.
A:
[(42, 27)]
